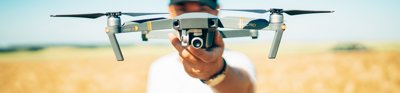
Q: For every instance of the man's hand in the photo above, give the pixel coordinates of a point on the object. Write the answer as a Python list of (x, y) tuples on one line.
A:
[(200, 63)]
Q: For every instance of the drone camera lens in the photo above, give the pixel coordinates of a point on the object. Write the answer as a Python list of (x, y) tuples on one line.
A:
[(197, 42)]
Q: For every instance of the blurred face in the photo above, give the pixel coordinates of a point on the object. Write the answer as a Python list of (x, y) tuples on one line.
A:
[(187, 7)]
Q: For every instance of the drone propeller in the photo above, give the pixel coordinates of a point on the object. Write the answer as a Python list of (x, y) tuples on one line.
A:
[(141, 14), (146, 20), (274, 10), (299, 12), (261, 11), (92, 15), (97, 15)]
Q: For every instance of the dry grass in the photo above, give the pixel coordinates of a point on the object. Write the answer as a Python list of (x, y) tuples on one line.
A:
[(71, 70)]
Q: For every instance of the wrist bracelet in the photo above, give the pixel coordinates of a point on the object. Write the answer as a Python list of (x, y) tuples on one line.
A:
[(217, 77)]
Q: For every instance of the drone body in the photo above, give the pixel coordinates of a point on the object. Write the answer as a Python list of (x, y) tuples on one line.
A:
[(197, 29)]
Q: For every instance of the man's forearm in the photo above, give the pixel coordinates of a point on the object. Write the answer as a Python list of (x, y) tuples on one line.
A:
[(236, 81)]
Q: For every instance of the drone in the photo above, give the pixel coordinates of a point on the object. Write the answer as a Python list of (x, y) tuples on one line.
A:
[(197, 29)]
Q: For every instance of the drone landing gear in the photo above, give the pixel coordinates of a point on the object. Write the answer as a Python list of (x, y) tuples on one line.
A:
[(114, 27)]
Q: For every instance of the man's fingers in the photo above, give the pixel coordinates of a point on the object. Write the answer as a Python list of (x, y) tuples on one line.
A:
[(206, 56), (202, 54), (212, 54), (175, 42), (192, 54), (186, 55)]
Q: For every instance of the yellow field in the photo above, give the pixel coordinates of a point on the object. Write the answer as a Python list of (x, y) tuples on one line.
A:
[(306, 69)]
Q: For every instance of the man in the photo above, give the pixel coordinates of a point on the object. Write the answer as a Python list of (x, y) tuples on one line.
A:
[(194, 70)]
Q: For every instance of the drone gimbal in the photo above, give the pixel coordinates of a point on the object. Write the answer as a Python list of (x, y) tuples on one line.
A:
[(198, 32)]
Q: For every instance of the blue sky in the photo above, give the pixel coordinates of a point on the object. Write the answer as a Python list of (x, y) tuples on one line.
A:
[(28, 21)]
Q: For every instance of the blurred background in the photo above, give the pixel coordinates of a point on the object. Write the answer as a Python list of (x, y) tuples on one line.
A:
[(354, 50)]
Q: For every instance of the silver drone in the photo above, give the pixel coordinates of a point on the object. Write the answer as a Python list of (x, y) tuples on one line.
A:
[(197, 29)]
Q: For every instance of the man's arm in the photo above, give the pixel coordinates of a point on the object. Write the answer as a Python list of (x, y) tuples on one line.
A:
[(203, 64)]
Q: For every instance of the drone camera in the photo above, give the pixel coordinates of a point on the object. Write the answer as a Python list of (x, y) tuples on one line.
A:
[(197, 42), (198, 33)]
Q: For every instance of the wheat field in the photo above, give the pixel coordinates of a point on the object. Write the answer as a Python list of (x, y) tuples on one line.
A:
[(305, 69)]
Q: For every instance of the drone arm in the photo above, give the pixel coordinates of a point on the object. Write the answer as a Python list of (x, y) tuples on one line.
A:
[(115, 46), (280, 28), (111, 31), (161, 34), (235, 33), (244, 23), (271, 27), (129, 28), (224, 33), (147, 26), (234, 22)]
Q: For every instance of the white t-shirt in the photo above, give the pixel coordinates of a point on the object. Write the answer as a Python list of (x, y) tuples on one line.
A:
[(167, 75)]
